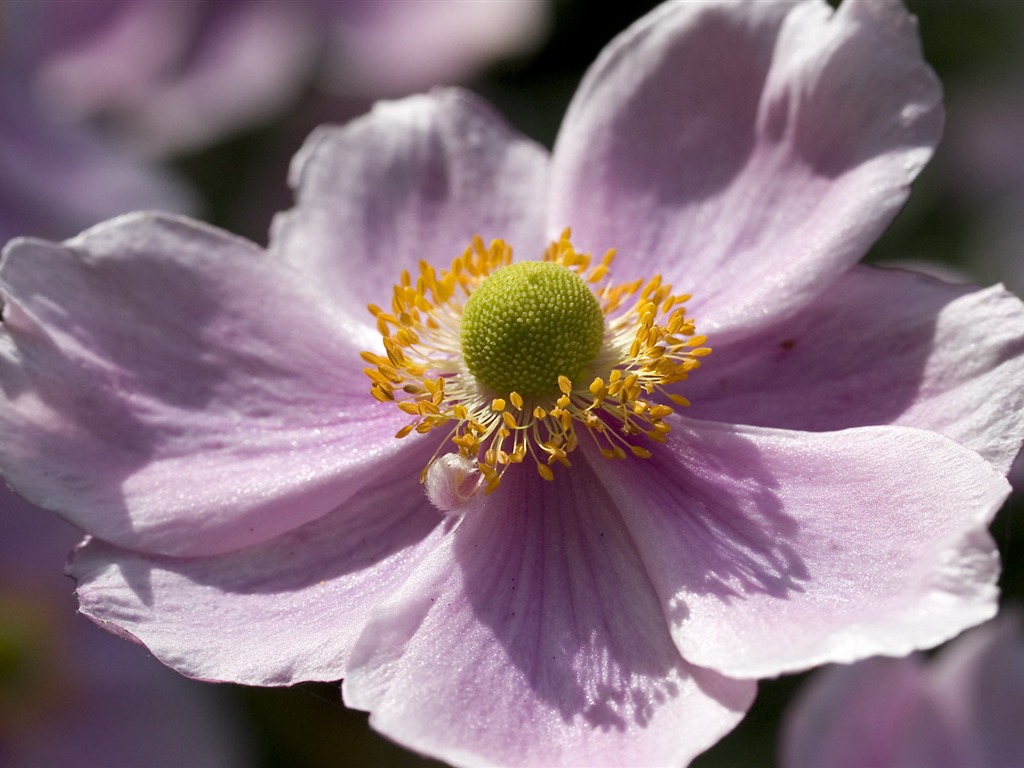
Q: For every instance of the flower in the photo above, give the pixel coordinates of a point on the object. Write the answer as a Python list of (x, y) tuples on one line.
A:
[(71, 694), (176, 77), (57, 179), (90, 90), (526, 332), (199, 406), (961, 708)]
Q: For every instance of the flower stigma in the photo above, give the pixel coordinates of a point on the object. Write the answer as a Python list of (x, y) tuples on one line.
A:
[(517, 360)]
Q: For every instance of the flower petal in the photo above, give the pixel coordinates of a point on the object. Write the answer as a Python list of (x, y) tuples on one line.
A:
[(413, 180), (880, 347), (295, 604), (749, 151), (775, 551), (174, 389), (534, 638)]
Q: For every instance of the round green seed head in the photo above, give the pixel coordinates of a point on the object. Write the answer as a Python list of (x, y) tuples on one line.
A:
[(527, 324)]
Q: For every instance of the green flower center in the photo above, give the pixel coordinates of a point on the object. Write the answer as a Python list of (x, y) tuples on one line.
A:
[(529, 323)]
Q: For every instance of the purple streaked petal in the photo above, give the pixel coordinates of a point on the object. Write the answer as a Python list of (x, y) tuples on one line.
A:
[(296, 604), (174, 389), (924, 354), (413, 180), (773, 551), (533, 637), (763, 146)]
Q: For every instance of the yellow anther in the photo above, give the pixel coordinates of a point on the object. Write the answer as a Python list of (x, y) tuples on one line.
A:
[(648, 344), (379, 393)]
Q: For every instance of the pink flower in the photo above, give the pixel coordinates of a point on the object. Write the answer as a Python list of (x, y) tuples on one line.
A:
[(178, 76), (199, 405), (87, 88), (56, 179), (962, 709)]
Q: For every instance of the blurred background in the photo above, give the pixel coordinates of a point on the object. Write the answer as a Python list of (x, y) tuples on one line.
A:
[(197, 106)]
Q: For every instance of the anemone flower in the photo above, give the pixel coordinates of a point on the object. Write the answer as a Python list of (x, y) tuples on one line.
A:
[(961, 709), (468, 483)]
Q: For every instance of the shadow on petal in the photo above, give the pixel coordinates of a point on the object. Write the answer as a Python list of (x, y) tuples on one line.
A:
[(75, 374), (175, 390), (389, 515), (552, 571)]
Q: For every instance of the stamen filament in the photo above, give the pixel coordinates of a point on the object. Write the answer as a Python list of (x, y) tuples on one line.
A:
[(649, 343)]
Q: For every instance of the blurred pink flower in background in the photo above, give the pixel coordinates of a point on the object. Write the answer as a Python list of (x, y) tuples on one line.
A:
[(961, 709), (56, 179), (198, 405), (175, 76), (91, 89), (73, 695)]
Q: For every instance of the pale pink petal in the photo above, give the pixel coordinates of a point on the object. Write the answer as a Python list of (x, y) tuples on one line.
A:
[(879, 347), (412, 180), (749, 151), (173, 389), (533, 637), (773, 550), (296, 604)]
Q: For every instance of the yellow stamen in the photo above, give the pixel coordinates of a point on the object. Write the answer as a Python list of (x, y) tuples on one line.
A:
[(649, 343)]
